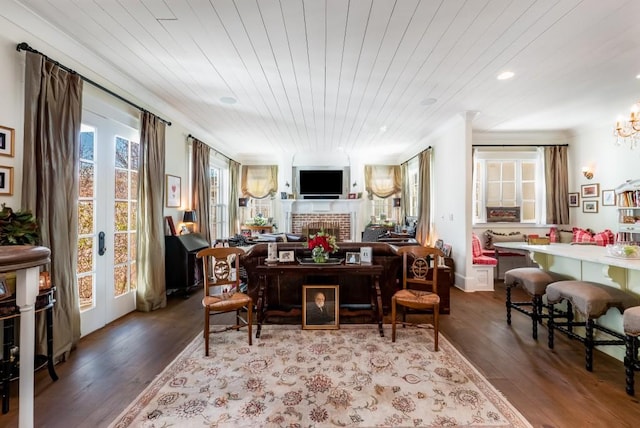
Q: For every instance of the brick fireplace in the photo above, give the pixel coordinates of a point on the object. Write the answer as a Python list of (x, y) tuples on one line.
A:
[(297, 213)]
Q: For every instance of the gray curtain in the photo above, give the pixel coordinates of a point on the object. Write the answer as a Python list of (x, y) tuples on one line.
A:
[(52, 119), (556, 177), (201, 189), (150, 291), (404, 195), (234, 221), (423, 230)]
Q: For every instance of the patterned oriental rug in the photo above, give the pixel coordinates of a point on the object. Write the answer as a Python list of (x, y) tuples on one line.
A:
[(349, 377)]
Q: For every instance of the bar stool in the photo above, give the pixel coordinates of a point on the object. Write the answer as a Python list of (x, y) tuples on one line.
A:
[(631, 325), (591, 300), (534, 281)]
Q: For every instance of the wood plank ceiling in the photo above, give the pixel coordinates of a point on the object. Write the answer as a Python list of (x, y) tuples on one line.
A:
[(360, 76)]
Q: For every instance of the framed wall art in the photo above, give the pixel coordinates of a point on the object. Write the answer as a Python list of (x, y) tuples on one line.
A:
[(7, 141), (6, 180), (320, 306), (608, 198), (172, 191), (590, 206), (574, 199), (590, 190)]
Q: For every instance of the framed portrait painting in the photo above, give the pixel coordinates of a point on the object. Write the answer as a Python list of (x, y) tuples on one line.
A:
[(172, 191), (320, 307)]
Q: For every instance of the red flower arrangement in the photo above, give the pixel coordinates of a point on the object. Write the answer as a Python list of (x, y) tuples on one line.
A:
[(321, 245)]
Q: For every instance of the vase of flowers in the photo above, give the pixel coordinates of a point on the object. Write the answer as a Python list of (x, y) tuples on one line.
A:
[(322, 245)]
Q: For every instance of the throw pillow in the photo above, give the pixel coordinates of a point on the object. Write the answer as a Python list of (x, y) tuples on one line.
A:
[(562, 236), (581, 235), (476, 246), (490, 237), (603, 238)]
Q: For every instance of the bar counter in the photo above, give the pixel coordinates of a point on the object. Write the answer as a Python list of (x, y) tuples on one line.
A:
[(588, 263)]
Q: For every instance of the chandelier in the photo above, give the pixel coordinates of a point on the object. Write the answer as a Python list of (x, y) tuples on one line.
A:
[(628, 131)]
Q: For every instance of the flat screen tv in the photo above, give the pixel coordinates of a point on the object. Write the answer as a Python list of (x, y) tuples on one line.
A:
[(321, 182)]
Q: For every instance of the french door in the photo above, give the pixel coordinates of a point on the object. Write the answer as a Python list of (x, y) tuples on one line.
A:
[(107, 206)]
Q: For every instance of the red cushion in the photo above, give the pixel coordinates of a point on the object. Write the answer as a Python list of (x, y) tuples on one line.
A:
[(484, 260), (601, 238), (553, 234), (476, 246), (581, 235)]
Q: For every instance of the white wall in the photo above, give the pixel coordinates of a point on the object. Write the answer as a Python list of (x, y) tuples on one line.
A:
[(12, 114)]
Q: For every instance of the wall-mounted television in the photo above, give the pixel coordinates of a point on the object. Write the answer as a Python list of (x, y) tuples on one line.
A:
[(322, 183)]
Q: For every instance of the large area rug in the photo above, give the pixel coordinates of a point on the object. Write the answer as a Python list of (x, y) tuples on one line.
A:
[(350, 377)]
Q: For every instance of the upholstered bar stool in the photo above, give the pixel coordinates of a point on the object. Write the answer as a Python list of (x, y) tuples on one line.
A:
[(534, 281), (591, 300), (631, 325)]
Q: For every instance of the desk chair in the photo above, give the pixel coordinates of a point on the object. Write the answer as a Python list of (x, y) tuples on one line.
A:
[(419, 289), (221, 268)]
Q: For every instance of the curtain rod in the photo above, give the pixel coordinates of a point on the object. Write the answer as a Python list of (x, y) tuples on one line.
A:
[(25, 47), (220, 153), (416, 155), (520, 145)]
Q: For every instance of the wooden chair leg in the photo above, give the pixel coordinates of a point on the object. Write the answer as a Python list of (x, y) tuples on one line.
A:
[(249, 320), (436, 312), (393, 319), (206, 332)]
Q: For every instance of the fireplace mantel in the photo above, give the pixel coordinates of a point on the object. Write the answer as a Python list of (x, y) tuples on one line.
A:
[(322, 207)]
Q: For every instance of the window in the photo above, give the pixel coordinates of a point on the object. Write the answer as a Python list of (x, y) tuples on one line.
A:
[(382, 208), (262, 206), (509, 179), (218, 212), (413, 188)]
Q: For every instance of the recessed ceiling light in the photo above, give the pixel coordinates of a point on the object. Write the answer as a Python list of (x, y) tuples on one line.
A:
[(228, 100), (428, 101), (637, 76), (383, 128), (506, 75)]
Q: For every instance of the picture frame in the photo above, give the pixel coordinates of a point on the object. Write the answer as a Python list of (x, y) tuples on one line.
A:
[(574, 199), (286, 256), (4, 289), (352, 196), (503, 214), (352, 258), (7, 141), (365, 255), (172, 190), (608, 198), (590, 190), (242, 202), (6, 180), (590, 206), (326, 296)]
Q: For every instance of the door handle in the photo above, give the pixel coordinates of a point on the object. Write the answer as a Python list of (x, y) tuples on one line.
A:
[(101, 248)]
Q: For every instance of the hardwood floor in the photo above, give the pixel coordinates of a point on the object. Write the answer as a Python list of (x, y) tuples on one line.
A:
[(550, 388)]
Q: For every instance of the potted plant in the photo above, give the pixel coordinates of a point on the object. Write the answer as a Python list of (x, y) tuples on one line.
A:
[(18, 227)]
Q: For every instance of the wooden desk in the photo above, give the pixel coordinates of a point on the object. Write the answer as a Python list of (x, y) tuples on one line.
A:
[(272, 273)]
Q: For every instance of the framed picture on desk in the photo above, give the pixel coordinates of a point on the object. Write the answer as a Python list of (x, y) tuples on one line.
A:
[(320, 307)]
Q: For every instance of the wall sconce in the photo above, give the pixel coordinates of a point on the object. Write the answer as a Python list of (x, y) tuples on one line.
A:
[(287, 184), (587, 172), (355, 183)]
